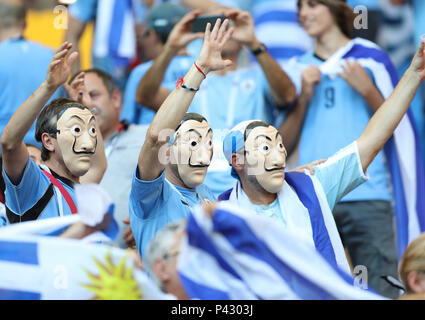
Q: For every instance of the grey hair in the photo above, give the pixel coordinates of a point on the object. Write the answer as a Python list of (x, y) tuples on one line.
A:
[(12, 15), (161, 244)]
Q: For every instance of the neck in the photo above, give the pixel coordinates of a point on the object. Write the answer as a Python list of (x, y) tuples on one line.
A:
[(330, 42), (256, 194), (61, 170), (110, 131), (10, 33)]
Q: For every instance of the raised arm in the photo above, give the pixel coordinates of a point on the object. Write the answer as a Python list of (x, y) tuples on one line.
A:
[(283, 90), (386, 119), (149, 90), (175, 106), (14, 151), (291, 128)]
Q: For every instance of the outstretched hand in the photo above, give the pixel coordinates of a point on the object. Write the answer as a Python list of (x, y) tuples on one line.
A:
[(77, 90), (418, 62), (181, 35), (210, 56), (60, 67)]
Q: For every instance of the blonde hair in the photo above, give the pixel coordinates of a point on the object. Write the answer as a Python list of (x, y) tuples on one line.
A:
[(413, 259)]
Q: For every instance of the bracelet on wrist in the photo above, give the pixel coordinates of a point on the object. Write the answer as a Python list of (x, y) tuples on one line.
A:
[(180, 84), (199, 69)]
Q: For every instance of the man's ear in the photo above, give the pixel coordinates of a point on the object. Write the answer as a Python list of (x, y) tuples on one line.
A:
[(48, 142), (237, 161), (159, 268), (415, 282)]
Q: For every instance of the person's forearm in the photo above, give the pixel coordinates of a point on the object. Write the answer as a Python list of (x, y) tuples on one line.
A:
[(374, 98), (283, 89), (22, 120), (386, 119), (291, 128), (148, 87), (166, 120)]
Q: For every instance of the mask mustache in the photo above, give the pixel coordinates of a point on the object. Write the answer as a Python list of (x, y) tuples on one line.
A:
[(83, 152), (274, 169)]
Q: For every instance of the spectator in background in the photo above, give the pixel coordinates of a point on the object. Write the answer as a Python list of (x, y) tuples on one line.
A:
[(160, 20), (355, 76), (412, 267), (114, 45), (23, 63), (230, 95), (122, 143)]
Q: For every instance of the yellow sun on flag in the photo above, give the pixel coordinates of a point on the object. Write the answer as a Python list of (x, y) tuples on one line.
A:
[(113, 282)]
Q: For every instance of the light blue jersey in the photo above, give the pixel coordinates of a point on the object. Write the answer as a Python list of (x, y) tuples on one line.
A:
[(156, 203), (336, 116), (25, 197), (225, 101), (135, 112), (23, 67)]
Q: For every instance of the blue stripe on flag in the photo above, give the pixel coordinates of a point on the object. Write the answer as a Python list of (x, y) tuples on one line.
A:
[(358, 51), (205, 293), (203, 243), (282, 52), (277, 16), (21, 252), (239, 234), (6, 294), (420, 176)]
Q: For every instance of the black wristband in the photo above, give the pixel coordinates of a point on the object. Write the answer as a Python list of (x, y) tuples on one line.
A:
[(260, 49)]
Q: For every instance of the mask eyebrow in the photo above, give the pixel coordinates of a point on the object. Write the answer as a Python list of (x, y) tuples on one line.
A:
[(263, 135), (197, 132)]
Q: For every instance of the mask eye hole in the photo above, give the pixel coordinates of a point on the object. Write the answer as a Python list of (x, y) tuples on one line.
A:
[(280, 147), (92, 131), (209, 144), (193, 143), (264, 148), (76, 130)]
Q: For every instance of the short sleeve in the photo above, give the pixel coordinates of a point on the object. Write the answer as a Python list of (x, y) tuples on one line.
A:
[(84, 10), (341, 173), (147, 196), (129, 106), (22, 197)]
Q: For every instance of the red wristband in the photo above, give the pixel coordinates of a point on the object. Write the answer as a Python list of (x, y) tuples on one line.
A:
[(199, 69)]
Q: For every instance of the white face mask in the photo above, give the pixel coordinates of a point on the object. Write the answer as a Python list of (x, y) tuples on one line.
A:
[(265, 157), (192, 152), (77, 139)]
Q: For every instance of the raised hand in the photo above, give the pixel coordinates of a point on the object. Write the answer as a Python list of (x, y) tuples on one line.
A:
[(356, 76), (77, 90), (310, 77), (244, 26), (418, 62), (60, 67), (210, 56), (181, 35)]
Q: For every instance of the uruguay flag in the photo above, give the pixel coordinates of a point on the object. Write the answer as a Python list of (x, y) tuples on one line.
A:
[(240, 255), (94, 205), (402, 150), (51, 268)]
